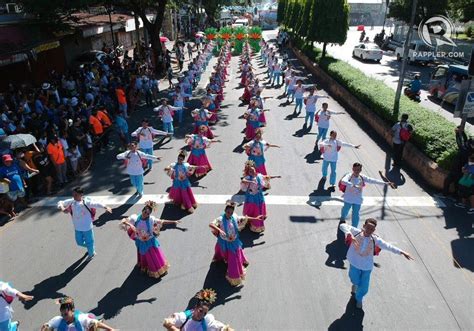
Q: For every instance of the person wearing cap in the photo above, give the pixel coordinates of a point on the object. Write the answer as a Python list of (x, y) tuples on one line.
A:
[(145, 134), (72, 319), (82, 210), (11, 173)]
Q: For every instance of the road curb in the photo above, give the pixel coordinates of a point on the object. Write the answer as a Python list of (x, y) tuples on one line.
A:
[(426, 168)]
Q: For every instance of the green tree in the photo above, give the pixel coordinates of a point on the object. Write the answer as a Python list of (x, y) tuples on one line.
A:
[(401, 9), (303, 26), (329, 22), (282, 4), (288, 13), (295, 15), (462, 10)]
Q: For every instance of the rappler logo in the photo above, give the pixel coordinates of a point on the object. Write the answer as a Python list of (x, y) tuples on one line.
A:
[(437, 31)]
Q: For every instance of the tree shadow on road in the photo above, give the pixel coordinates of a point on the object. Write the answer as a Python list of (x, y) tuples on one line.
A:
[(216, 280), (49, 288), (336, 251), (125, 295), (352, 318)]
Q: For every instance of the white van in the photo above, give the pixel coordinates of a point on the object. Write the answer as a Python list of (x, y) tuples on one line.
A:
[(418, 52)]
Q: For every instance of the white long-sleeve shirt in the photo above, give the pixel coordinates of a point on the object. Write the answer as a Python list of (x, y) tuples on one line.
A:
[(134, 164), (166, 113), (363, 257), (324, 116), (311, 102), (331, 148), (145, 136), (5, 308), (355, 186), (81, 217)]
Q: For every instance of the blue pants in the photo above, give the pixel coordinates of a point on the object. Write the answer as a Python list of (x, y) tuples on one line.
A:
[(168, 127), (291, 93), (299, 104), (123, 109), (86, 239), (310, 116), (322, 132), (137, 182), (276, 78), (332, 179), (180, 112), (8, 325), (361, 279), (148, 151), (355, 212)]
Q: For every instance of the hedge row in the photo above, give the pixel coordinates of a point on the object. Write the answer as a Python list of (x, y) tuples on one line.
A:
[(433, 133)]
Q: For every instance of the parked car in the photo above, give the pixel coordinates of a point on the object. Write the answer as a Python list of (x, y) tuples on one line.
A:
[(368, 52), (89, 57), (418, 52), (445, 82), (241, 22)]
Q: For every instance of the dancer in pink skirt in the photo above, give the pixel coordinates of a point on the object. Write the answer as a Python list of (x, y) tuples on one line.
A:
[(143, 229), (180, 192), (198, 144), (253, 184), (202, 116), (229, 247), (255, 150)]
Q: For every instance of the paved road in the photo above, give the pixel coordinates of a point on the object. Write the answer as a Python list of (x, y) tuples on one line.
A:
[(388, 70), (297, 279)]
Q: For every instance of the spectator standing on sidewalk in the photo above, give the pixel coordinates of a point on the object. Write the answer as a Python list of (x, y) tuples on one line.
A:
[(466, 186), (122, 100), (121, 126), (401, 133), (145, 135), (190, 51), (364, 244), (57, 156), (82, 210)]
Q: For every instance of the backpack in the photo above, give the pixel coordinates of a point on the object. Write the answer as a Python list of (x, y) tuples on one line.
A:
[(405, 132), (342, 186), (92, 211), (377, 249), (143, 161), (189, 314)]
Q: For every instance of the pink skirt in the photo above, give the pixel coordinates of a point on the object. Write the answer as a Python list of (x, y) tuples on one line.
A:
[(200, 161), (209, 133), (153, 262), (183, 197), (249, 132), (254, 210), (261, 170), (262, 118), (236, 263)]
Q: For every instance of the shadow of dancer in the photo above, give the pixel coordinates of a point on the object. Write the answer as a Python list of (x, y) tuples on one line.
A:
[(49, 288), (125, 295), (117, 213), (351, 319), (336, 251), (216, 280)]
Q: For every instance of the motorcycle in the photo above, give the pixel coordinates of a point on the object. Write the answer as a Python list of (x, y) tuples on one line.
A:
[(413, 96)]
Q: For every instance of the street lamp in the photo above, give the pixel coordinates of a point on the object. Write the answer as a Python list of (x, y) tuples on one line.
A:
[(396, 106)]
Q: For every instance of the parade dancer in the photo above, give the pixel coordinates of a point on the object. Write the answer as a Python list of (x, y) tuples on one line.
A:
[(298, 95), (7, 295), (144, 229), (83, 212), (310, 102), (145, 135), (180, 193), (255, 149), (198, 144), (352, 184), (135, 161), (72, 319), (292, 86), (364, 244), (322, 118), (166, 113), (252, 116), (229, 247), (201, 117), (179, 98), (329, 149), (198, 318), (253, 185)]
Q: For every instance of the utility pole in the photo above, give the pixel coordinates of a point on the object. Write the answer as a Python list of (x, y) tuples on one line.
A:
[(109, 11), (396, 106)]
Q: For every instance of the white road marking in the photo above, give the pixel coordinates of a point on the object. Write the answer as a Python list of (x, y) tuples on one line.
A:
[(283, 200)]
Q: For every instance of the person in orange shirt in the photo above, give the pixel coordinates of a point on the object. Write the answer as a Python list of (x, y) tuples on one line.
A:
[(96, 125), (56, 154), (104, 119), (122, 100)]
